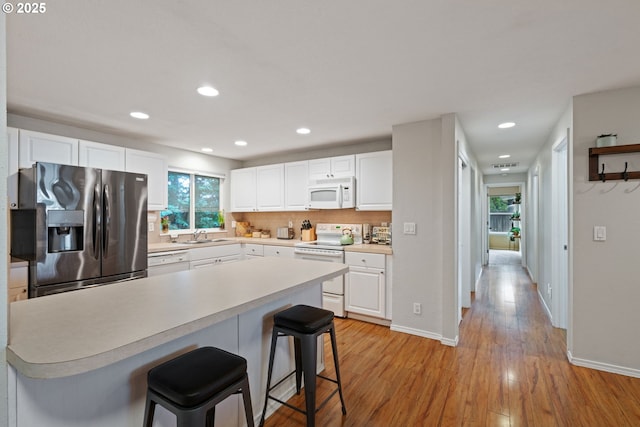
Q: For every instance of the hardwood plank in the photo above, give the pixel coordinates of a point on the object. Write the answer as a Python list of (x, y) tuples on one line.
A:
[(509, 369)]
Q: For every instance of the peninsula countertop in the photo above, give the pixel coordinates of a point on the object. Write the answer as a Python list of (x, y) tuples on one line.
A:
[(75, 332)]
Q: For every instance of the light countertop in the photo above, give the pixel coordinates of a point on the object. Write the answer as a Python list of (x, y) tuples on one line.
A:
[(75, 332), (161, 247)]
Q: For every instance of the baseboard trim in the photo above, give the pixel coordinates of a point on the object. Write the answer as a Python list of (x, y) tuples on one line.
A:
[(606, 367), (418, 332), (544, 305), (450, 342)]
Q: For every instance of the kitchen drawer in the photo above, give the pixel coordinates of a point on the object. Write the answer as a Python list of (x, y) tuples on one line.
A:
[(253, 249), (365, 259), (214, 251), (279, 251)]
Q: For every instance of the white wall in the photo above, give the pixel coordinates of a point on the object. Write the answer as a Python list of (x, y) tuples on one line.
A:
[(425, 167), (606, 288), (538, 254), (4, 328)]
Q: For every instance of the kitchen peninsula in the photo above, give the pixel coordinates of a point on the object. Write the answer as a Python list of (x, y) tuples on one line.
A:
[(81, 358)]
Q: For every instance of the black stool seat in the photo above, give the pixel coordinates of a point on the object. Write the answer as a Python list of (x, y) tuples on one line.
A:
[(192, 378), (191, 385), (303, 318)]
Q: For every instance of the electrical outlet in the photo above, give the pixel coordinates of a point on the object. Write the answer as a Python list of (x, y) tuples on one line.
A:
[(152, 226), (417, 308)]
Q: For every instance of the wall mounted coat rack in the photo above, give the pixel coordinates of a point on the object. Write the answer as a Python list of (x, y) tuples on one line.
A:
[(597, 171)]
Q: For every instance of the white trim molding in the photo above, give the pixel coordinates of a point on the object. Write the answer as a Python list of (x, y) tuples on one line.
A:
[(418, 332), (606, 367), (545, 306)]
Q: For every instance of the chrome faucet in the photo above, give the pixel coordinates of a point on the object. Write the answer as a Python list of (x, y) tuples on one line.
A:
[(197, 233)]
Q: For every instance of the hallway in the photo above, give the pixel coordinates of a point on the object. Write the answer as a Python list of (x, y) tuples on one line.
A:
[(509, 369)]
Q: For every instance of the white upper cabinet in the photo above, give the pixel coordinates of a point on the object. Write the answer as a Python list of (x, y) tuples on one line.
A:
[(102, 156), (332, 167), (270, 187), (243, 190), (258, 189), (374, 181), (155, 166), (42, 147), (12, 179), (296, 182)]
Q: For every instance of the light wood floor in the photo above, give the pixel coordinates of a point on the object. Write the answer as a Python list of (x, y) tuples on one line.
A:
[(509, 369)]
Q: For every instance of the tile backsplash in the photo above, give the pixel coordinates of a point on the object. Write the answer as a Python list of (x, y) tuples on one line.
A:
[(272, 220)]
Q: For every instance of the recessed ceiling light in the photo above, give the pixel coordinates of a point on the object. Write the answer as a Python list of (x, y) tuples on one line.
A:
[(208, 91), (303, 131), (139, 115), (207, 150), (241, 143), (504, 169), (504, 156), (506, 125)]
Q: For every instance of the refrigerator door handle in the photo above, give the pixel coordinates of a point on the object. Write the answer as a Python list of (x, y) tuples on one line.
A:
[(106, 220), (97, 220)]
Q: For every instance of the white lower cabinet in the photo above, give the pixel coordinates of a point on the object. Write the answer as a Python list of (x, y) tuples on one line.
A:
[(252, 250), (365, 284), (211, 256)]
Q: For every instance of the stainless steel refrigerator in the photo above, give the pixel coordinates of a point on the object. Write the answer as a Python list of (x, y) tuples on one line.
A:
[(79, 227)]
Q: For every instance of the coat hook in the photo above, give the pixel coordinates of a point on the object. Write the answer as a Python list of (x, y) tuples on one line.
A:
[(602, 173), (625, 174)]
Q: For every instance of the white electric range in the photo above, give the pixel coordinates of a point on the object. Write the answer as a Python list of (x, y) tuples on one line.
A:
[(327, 248)]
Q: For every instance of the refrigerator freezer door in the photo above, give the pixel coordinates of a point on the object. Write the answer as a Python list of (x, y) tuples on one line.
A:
[(124, 222), (66, 226)]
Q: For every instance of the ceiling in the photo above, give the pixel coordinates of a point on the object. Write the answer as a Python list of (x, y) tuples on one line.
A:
[(348, 70)]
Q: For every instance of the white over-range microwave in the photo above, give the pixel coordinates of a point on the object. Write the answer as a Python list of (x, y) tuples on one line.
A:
[(334, 193)]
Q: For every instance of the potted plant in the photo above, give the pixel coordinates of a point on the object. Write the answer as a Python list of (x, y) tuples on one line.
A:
[(221, 219), (515, 231), (164, 222)]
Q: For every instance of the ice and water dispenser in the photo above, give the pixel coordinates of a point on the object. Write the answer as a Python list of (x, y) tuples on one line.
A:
[(65, 230)]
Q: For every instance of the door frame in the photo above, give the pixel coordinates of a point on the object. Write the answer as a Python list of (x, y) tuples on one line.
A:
[(560, 233), (523, 219)]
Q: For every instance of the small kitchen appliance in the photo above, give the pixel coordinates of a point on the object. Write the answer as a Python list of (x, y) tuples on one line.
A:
[(286, 233), (381, 235)]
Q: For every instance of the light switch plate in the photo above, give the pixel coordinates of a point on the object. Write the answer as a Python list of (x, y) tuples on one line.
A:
[(409, 228), (599, 233)]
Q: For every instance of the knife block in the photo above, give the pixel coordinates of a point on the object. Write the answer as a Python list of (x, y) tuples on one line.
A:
[(308, 235)]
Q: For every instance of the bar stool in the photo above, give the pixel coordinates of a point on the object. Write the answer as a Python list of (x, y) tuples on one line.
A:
[(304, 324), (191, 385)]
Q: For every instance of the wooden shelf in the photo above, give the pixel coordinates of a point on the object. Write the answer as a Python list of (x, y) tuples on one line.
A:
[(594, 162)]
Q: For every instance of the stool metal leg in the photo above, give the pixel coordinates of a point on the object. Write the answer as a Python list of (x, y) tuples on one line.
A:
[(298, 359), (274, 340), (334, 347), (309, 362), (246, 398), (149, 410)]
